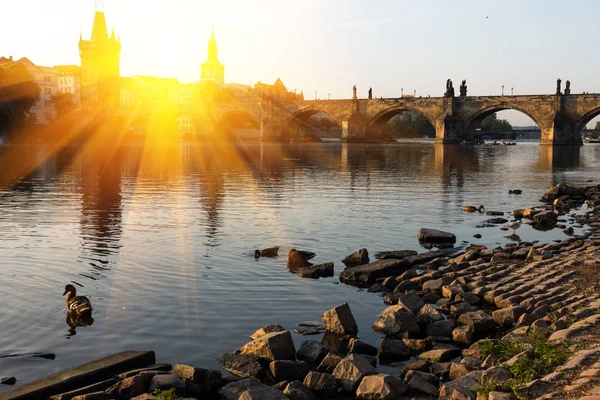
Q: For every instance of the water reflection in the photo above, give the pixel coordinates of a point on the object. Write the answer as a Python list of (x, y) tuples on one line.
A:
[(74, 321)]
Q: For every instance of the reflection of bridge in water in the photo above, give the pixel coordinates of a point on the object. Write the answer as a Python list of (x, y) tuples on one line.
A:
[(560, 118)]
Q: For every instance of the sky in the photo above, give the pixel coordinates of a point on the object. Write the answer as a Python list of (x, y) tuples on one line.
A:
[(328, 46)]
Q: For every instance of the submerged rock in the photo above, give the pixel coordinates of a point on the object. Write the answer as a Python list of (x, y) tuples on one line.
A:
[(427, 235), (366, 275), (397, 254), (317, 271)]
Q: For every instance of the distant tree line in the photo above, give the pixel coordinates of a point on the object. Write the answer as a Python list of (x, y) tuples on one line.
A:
[(18, 93), (410, 124), (493, 124)]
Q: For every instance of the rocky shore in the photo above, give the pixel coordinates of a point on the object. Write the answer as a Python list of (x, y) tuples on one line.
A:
[(518, 321)]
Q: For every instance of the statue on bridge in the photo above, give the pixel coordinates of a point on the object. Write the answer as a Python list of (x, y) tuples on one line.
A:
[(354, 92), (370, 93), (567, 88), (558, 91), (449, 89), (463, 88)]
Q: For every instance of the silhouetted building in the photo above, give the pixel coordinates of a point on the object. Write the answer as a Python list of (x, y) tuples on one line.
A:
[(212, 71), (100, 65)]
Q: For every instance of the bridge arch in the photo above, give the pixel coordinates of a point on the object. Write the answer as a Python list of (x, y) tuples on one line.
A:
[(240, 120), (376, 124), (585, 119), (299, 125), (473, 120)]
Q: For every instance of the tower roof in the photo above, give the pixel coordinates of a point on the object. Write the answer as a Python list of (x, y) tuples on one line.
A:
[(279, 84), (99, 30)]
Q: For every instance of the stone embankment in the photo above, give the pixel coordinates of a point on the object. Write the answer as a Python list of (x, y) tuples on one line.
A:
[(519, 321)]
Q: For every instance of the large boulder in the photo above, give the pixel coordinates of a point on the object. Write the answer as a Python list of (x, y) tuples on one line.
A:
[(323, 384), (366, 275), (351, 370), (288, 370), (418, 384), (317, 271), (204, 380), (411, 301), (426, 235), (463, 388), (441, 328), (359, 257), (241, 365), (329, 363), (272, 346), (168, 382), (312, 351), (393, 350), (429, 314), (340, 320), (131, 387), (380, 387), (262, 393), (507, 317), (360, 347), (479, 321), (296, 390), (233, 390), (396, 319), (544, 220), (267, 329)]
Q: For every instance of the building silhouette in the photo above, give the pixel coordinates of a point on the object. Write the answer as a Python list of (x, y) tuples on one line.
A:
[(100, 65), (212, 71)]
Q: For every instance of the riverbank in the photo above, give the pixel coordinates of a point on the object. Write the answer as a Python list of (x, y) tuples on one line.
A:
[(522, 319)]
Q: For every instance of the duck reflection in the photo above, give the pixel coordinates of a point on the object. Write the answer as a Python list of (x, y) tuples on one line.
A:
[(74, 321)]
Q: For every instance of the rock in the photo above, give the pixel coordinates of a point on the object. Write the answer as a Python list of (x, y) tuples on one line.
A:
[(544, 220), (360, 347), (428, 315), (359, 257), (272, 346), (418, 345), (288, 370), (366, 275), (430, 378), (472, 363), (458, 370), (495, 395), (267, 329), (297, 391), (167, 382), (312, 352), (340, 320), (132, 386), (329, 363), (324, 385), (479, 322), (207, 379), (393, 350), (441, 328), (398, 254), (441, 370), (495, 221), (380, 387), (507, 317), (462, 335), (317, 271), (351, 370), (517, 358), (396, 319), (426, 235), (233, 390), (462, 388), (420, 385), (494, 213), (439, 355), (241, 365), (96, 396), (262, 393), (477, 236), (434, 285), (495, 375), (568, 231), (416, 365), (411, 301), (7, 380), (450, 291)]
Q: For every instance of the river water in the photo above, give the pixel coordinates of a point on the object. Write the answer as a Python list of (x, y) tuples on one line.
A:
[(161, 237)]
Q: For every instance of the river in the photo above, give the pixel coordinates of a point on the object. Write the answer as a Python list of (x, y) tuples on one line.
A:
[(161, 237)]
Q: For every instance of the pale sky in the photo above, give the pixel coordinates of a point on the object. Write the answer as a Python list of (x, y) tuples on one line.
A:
[(330, 45)]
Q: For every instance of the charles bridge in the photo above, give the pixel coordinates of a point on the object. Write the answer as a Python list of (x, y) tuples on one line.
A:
[(560, 117)]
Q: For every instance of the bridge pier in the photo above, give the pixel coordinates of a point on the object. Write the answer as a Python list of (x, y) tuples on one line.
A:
[(448, 130), (270, 131), (352, 131)]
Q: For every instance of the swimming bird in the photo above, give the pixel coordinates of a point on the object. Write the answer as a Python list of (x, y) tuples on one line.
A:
[(79, 305), (473, 208), (514, 225), (516, 191), (270, 252), (297, 259)]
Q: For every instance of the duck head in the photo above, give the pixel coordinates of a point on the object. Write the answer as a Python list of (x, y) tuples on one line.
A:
[(71, 290), (256, 253), (481, 209)]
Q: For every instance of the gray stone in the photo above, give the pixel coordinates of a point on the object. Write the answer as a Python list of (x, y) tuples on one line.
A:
[(312, 352), (458, 370), (393, 350), (360, 347), (267, 329), (441, 328), (430, 378), (439, 355), (479, 321), (416, 365), (323, 384), (495, 395), (544, 220), (94, 396), (366, 275), (496, 375), (351, 370), (426, 235), (207, 379), (288, 370), (459, 389), (272, 346), (396, 319), (418, 345), (380, 387), (317, 271), (420, 385), (131, 387), (428, 314), (241, 365), (262, 393), (340, 320), (507, 317), (168, 382), (397, 254), (411, 301), (8, 380), (329, 363), (462, 335), (297, 391), (359, 257), (233, 390)]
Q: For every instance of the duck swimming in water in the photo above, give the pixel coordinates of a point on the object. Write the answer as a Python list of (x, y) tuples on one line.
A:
[(270, 252), (473, 208), (297, 259), (78, 305)]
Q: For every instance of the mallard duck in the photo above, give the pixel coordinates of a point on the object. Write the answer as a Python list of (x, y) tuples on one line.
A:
[(514, 225), (473, 208), (270, 252), (79, 305)]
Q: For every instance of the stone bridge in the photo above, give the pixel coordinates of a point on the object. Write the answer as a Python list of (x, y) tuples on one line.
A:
[(560, 118)]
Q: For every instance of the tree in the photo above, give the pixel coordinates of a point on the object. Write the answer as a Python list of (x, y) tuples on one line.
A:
[(409, 125), (18, 93), (597, 125), (492, 123), (63, 103)]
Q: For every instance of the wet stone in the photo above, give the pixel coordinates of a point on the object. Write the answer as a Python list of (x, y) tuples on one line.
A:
[(312, 352), (340, 320), (351, 370), (323, 384), (380, 387)]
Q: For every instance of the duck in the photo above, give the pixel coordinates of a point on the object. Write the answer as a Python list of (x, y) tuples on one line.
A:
[(270, 252), (473, 208), (514, 225), (297, 259), (78, 305), (515, 191)]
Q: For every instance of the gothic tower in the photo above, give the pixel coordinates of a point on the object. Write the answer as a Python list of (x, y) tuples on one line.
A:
[(100, 65), (212, 70)]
